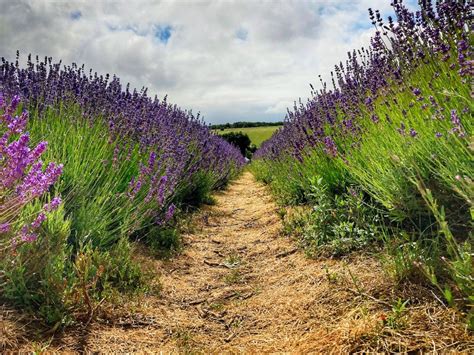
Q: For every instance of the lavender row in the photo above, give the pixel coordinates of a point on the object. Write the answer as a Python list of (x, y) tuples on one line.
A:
[(177, 143), (331, 119)]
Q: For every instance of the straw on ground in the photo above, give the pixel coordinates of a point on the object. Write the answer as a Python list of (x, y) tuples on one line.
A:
[(239, 285)]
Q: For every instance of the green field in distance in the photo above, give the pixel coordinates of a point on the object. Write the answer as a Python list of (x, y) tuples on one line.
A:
[(257, 135)]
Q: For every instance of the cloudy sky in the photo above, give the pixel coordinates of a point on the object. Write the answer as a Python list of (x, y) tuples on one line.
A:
[(230, 60)]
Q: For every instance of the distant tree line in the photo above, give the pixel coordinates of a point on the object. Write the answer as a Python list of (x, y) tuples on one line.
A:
[(244, 124)]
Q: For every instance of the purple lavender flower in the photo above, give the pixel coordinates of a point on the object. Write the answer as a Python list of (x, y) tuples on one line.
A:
[(161, 189), (22, 178), (456, 122), (462, 46), (455, 119), (28, 237), (330, 147), (36, 153), (14, 103), (401, 130), (18, 123), (170, 212), (38, 221), (151, 160), (5, 227), (53, 205)]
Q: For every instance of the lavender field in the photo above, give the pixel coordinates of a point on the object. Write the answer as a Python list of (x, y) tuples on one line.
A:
[(128, 225)]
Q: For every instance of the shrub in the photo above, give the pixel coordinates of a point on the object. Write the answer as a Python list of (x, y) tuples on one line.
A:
[(240, 140), (339, 224)]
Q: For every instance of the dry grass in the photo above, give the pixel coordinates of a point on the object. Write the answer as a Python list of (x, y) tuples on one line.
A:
[(239, 286)]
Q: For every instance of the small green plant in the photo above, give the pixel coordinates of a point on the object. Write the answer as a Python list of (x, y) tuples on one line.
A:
[(184, 340), (337, 224), (401, 256), (164, 242), (294, 223), (233, 277), (332, 277), (40, 347), (395, 319), (210, 201), (233, 260), (282, 212)]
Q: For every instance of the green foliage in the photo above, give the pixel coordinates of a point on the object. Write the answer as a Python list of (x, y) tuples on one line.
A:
[(239, 139), (196, 191), (387, 159), (165, 243), (395, 318), (291, 180), (458, 263), (46, 277), (95, 178), (336, 224), (403, 253), (38, 275)]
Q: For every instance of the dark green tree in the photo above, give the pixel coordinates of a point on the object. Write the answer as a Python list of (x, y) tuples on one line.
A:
[(240, 140)]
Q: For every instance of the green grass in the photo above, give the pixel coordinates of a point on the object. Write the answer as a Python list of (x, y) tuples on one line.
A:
[(257, 135)]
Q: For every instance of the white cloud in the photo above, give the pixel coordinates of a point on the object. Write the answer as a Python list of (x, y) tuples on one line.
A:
[(231, 60)]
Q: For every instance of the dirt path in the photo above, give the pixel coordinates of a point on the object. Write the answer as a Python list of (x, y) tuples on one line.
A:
[(240, 286)]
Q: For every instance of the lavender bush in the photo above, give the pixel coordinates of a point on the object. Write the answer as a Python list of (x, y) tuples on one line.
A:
[(131, 165), (178, 139), (396, 123), (167, 147)]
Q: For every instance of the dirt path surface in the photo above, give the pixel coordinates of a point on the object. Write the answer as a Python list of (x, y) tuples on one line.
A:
[(240, 286)]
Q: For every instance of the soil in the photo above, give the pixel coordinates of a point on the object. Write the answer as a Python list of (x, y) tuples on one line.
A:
[(239, 285)]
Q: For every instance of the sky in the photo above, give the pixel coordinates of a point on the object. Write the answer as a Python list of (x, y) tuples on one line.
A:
[(229, 60)]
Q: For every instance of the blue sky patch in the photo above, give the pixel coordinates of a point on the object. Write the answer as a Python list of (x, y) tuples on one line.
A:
[(75, 15), (362, 26), (242, 34), (163, 33)]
